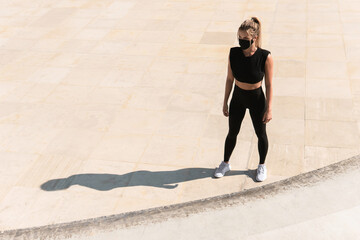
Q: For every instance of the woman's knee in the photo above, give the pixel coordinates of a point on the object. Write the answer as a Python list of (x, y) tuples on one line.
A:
[(233, 133), (261, 133)]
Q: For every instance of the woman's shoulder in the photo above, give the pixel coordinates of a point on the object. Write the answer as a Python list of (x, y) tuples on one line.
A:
[(234, 52), (265, 51), (235, 49)]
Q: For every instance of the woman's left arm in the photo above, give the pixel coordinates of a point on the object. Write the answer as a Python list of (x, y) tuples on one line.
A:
[(269, 69)]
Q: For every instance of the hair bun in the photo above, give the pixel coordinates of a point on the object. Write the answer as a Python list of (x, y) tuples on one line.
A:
[(254, 19)]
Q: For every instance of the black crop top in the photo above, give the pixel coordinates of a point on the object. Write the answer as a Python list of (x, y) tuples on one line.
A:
[(248, 69)]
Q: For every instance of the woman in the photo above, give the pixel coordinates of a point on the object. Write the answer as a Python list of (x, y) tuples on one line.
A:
[(247, 65)]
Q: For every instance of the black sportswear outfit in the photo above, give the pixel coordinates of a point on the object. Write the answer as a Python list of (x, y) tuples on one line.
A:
[(250, 70)]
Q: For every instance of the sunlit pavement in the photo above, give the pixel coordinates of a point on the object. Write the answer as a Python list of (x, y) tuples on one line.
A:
[(116, 106)]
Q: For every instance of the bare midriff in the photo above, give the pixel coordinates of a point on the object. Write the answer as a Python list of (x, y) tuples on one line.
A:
[(248, 86)]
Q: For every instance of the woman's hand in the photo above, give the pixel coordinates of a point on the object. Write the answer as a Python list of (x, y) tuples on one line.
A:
[(225, 110), (267, 116)]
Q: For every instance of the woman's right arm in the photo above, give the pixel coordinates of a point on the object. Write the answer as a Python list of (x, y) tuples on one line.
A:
[(228, 88)]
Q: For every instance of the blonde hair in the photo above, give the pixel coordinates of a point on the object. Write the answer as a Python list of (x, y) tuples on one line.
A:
[(253, 27)]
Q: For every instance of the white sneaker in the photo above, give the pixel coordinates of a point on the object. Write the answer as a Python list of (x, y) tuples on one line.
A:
[(222, 169), (261, 173)]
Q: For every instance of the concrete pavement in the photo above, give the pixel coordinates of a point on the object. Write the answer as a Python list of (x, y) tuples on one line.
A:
[(109, 106), (321, 204)]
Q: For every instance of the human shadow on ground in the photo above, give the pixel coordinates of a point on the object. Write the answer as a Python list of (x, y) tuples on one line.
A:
[(160, 179)]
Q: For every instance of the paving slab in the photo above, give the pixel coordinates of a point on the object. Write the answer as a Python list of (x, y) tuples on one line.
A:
[(109, 106)]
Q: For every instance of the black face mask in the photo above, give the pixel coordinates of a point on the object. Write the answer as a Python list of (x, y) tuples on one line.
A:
[(245, 44)]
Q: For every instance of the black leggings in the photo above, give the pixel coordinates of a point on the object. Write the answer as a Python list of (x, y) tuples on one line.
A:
[(255, 101)]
